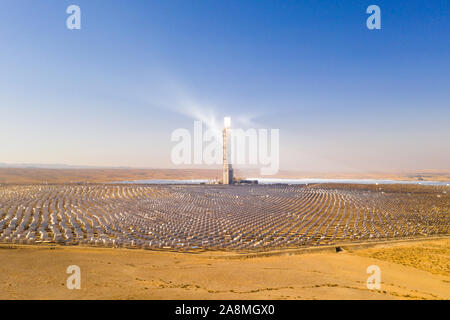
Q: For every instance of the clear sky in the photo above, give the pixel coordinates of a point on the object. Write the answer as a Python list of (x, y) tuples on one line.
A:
[(345, 98)]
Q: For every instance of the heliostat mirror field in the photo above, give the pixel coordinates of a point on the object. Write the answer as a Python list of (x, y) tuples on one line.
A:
[(196, 217)]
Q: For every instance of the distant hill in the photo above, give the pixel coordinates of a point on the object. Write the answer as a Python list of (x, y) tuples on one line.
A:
[(41, 165)]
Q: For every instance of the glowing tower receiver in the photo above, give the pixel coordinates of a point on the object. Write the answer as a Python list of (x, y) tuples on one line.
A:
[(227, 167)]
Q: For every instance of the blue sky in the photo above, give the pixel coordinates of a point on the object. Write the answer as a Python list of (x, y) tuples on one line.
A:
[(345, 98)]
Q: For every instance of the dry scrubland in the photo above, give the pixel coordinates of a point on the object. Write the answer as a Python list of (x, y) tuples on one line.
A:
[(39, 272), (238, 218), (96, 175), (38, 176), (426, 175)]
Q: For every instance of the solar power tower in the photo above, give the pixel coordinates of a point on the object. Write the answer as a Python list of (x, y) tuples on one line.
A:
[(227, 167)]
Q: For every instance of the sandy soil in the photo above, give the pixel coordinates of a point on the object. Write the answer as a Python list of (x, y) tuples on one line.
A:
[(41, 175), (409, 270), (425, 175)]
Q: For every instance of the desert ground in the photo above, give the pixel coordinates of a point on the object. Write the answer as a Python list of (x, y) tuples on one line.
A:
[(409, 270), (424, 175), (68, 176), (224, 242), (107, 175)]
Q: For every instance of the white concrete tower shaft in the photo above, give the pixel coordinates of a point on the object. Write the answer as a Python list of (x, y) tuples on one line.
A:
[(227, 167)]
